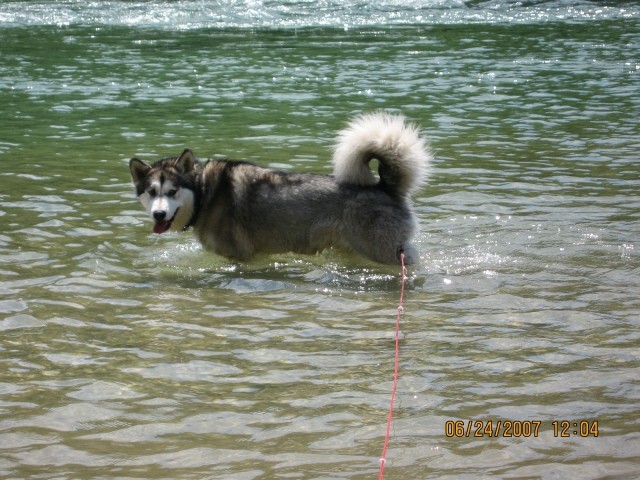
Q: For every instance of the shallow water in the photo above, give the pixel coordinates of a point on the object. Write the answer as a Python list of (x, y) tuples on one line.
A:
[(130, 355)]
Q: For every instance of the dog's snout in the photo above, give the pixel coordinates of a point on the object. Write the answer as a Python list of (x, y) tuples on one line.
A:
[(159, 214)]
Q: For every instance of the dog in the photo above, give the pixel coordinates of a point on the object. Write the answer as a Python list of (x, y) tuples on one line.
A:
[(238, 209)]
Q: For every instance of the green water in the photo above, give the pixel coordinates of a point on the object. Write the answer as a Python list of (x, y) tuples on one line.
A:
[(128, 355)]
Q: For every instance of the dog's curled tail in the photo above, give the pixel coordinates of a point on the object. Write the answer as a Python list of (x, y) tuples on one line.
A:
[(402, 154)]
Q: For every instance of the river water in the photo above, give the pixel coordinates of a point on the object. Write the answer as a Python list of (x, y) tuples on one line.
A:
[(130, 355)]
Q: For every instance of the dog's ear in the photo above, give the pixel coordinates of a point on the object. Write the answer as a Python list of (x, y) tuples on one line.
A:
[(185, 161), (139, 170)]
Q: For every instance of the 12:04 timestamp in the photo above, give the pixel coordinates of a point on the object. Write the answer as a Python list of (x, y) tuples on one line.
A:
[(567, 428)]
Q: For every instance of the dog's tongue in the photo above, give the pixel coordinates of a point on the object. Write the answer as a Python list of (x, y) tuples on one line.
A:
[(161, 226)]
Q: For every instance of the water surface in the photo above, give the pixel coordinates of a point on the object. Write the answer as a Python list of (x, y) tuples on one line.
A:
[(130, 355)]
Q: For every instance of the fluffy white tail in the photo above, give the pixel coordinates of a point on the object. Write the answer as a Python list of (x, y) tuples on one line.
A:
[(402, 155)]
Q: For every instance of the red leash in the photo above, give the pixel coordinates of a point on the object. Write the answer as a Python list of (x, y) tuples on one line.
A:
[(396, 367)]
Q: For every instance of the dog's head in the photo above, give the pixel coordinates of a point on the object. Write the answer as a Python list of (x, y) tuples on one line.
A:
[(166, 189)]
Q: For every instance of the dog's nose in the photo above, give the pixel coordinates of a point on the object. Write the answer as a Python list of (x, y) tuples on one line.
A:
[(159, 214)]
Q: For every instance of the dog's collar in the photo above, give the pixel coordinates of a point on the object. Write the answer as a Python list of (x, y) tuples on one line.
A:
[(192, 220), (194, 211)]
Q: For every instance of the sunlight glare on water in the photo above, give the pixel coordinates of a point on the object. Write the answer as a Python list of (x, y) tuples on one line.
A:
[(346, 14)]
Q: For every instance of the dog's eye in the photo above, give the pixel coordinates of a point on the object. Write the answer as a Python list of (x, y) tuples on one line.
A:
[(172, 193), (152, 193)]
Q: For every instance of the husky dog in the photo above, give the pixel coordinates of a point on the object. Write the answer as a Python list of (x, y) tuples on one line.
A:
[(238, 209)]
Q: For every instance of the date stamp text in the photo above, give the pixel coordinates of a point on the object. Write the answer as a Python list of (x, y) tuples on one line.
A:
[(519, 428)]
